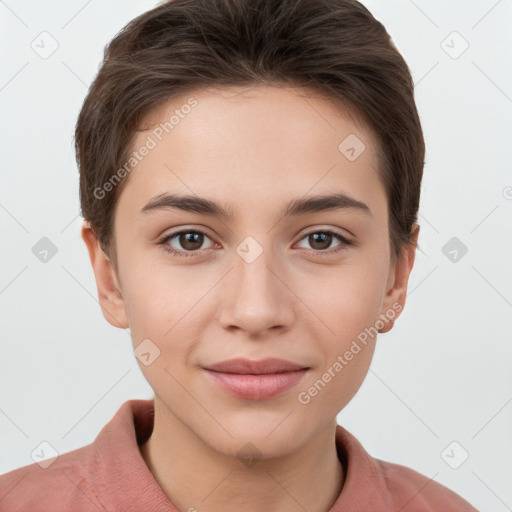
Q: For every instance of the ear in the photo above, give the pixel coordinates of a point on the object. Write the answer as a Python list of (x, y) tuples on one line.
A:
[(398, 280), (109, 289)]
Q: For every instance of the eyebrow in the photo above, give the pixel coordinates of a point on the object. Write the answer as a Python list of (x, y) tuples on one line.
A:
[(298, 206)]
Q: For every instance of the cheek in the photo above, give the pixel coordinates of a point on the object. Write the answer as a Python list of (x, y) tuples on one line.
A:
[(158, 312), (349, 311), (347, 299), (167, 306), (333, 386), (348, 303)]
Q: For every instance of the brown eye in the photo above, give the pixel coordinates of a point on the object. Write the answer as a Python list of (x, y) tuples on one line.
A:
[(184, 243), (191, 241), (320, 241)]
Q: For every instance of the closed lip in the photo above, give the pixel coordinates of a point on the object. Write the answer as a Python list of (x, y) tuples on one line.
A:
[(248, 367)]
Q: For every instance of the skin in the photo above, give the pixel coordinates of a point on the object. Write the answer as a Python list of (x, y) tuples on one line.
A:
[(254, 150)]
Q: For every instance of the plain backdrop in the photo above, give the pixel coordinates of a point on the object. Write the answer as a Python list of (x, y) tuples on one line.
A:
[(442, 375)]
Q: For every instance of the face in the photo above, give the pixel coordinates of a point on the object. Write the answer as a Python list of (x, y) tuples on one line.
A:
[(310, 286)]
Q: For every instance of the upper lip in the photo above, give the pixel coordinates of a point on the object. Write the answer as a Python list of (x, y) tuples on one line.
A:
[(246, 366)]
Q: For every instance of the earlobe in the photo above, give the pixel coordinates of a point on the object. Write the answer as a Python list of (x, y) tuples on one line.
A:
[(107, 283), (396, 295)]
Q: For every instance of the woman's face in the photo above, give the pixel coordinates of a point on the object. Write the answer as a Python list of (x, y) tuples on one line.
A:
[(258, 282)]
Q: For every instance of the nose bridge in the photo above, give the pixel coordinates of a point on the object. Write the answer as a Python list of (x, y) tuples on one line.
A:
[(254, 276), (255, 273), (257, 299)]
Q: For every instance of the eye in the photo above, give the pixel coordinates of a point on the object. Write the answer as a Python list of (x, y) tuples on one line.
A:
[(189, 240), (321, 240)]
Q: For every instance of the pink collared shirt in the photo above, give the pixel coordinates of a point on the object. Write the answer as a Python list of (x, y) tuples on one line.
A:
[(110, 474)]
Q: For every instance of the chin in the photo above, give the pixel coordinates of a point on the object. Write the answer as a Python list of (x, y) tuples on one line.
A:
[(256, 437)]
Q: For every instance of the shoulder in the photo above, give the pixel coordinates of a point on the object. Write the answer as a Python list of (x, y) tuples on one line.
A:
[(411, 491), (63, 485), (374, 484)]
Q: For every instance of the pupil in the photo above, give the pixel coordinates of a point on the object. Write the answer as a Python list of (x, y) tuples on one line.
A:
[(324, 237), (190, 238)]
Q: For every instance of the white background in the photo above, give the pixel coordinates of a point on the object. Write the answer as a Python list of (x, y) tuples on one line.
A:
[(442, 374)]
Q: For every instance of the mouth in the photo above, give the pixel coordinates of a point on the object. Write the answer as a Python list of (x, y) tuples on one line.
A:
[(243, 366), (256, 380)]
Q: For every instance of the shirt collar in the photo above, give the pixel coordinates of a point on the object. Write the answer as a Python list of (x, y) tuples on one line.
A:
[(123, 467)]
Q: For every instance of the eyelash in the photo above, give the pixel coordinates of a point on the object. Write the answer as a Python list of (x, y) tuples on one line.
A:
[(345, 242)]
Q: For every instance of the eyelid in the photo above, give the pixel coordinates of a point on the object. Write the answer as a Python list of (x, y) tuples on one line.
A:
[(186, 229), (332, 229), (196, 231)]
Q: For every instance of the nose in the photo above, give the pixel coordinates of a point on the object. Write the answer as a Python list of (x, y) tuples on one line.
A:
[(256, 296)]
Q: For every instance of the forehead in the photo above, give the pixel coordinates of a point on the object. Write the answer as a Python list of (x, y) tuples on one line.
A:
[(256, 145)]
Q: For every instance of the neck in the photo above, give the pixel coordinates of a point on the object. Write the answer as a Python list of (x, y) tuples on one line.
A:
[(196, 477)]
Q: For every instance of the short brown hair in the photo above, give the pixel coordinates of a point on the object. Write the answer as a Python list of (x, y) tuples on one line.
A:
[(335, 47)]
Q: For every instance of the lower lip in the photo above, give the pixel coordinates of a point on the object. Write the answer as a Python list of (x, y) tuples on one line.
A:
[(257, 387)]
